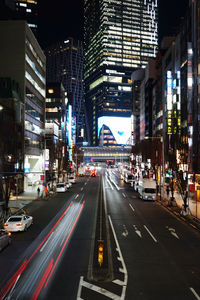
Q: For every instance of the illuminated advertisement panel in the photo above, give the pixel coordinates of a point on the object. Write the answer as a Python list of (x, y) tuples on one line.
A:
[(120, 127), (69, 129)]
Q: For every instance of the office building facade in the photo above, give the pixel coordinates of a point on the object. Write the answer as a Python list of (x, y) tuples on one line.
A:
[(27, 66), (65, 65), (28, 10), (119, 37)]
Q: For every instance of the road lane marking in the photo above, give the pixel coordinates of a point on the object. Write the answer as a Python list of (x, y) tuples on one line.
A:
[(82, 189), (44, 245), (150, 234), (122, 260), (14, 285), (194, 293), (124, 195), (114, 184), (109, 183), (131, 207), (138, 232)]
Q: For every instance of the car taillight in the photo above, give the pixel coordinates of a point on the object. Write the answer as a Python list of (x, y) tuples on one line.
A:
[(5, 224), (19, 224)]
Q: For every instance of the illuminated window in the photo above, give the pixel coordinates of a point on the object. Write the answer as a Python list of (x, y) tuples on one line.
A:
[(50, 91)]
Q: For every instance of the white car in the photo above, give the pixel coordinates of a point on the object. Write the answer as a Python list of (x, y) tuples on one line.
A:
[(18, 223), (72, 178), (61, 187)]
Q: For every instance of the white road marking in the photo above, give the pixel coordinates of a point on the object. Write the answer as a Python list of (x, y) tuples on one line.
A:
[(137, 231), (114, 184), (42, 248), (125, 232), (173, 232), (123, 263), (150, 234), (79, 288), (131, 207), (119, 282), (194, 293), (124, 195), (82, 189), (109, 183), (100, 290), (14, 285), (121, 270)]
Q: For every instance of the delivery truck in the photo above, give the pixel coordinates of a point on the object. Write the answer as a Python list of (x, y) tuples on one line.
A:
[(147, 189)]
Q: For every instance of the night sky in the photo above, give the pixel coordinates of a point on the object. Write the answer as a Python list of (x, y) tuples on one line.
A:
[(62, 19)]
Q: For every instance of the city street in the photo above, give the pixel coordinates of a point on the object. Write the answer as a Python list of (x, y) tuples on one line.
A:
[(154, 255)]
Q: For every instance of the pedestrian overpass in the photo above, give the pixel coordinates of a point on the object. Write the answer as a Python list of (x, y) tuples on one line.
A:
[(106, 154)]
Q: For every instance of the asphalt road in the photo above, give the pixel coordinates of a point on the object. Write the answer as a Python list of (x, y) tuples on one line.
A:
[(154, 254), (160, 251)]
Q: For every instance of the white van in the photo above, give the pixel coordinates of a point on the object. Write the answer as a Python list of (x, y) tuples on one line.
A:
[(61, 187), (128, 177), (72, 178), (147, 189)]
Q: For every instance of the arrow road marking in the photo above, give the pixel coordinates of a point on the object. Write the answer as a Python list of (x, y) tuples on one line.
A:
[(125, 232), (137, 231), (173, 232)]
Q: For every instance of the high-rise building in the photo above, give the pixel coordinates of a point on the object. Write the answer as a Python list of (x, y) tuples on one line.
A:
[(119, 37), (20, 10), (27, 67), (65, 65), (28, 10)]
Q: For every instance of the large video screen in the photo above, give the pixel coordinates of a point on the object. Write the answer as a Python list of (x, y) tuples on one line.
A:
[(120, 128)]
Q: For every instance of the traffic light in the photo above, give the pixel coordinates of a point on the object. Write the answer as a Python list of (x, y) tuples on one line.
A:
[(100, 252)]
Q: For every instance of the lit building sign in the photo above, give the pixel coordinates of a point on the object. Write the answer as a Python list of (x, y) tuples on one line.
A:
[(173, 103), (69, 130)]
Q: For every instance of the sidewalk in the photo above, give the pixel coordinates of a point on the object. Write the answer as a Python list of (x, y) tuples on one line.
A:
[(193, 215), (18, 202)]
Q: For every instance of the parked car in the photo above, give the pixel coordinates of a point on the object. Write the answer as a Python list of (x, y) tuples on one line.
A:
[(61, 187), (4, 238), (18, 223)]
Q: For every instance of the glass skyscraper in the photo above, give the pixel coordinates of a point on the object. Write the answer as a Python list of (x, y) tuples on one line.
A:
[(119, 37)]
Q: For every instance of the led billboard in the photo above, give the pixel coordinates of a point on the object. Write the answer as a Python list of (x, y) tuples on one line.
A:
[(120, 128)]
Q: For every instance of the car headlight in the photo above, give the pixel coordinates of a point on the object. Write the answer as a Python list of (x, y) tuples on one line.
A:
[(146, 197)]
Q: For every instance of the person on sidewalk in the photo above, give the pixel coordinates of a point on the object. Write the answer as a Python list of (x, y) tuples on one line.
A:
[(167, 190), (38, 191)]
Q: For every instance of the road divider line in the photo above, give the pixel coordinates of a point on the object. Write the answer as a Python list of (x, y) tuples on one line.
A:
[(124, 195), (194, 293), (150, 234), (122, 261), (131, 207)]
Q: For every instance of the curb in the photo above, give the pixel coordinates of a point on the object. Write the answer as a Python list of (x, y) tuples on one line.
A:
[(189, 219)]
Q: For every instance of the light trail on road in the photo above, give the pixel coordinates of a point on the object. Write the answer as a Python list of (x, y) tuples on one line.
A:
[(32, 277)]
